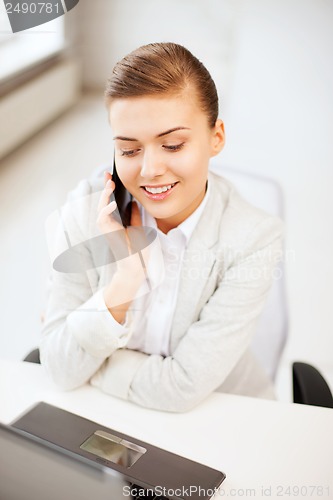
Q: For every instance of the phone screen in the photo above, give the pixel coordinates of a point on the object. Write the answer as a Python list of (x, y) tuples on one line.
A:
[(123, 198)]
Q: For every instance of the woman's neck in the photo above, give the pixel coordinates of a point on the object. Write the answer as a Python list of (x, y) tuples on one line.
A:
[(165, 225)]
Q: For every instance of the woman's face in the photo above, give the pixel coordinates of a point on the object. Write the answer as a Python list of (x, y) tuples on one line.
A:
[(162, 147)]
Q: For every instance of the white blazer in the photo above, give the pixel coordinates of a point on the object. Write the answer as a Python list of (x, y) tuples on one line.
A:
[(226, 274)]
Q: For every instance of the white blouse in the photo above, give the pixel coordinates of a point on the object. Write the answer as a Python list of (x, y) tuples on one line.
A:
[(152, 313)]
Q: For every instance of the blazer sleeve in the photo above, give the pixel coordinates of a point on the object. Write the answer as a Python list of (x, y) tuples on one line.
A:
[(212, 345), (78, 332)]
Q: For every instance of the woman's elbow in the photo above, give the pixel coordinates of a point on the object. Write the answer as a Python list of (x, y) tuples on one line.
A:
[(59, 375)]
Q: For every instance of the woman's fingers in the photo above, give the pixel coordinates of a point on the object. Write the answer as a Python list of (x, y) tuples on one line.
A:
[(107, 176), (111, 207), (105, 222), (105, 195)]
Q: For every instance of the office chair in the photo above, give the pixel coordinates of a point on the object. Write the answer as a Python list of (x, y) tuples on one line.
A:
[(310, 387), (270, 337), (33, 357)]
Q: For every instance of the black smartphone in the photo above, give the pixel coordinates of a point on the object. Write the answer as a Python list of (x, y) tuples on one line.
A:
[(123, 198)]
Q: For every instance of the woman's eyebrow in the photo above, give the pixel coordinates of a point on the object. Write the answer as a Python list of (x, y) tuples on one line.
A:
[(171, 130), (122, 138)]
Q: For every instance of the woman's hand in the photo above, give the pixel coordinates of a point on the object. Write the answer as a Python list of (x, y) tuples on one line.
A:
[(105, 223), (120, 292), (118, 237)]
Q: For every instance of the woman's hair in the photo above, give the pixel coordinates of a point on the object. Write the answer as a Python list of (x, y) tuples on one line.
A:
[(163, 68)]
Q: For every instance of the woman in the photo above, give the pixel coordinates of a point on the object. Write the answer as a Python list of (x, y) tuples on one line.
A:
[(165, 347)]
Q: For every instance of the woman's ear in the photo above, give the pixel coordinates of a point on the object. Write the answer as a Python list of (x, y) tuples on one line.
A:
[(218, 138)]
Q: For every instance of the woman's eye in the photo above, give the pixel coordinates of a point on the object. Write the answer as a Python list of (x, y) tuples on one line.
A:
[(176, 147), (129, 152)]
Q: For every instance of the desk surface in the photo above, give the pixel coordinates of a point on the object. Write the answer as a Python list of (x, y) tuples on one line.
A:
[(266, 448)]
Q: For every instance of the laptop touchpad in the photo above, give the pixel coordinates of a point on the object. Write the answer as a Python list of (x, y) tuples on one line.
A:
[(113, 448)]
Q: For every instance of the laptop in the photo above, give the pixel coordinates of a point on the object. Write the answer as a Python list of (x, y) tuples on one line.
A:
[(51, 453)]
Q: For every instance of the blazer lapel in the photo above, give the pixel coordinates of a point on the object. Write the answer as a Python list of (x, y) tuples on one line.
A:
[(198, 260)]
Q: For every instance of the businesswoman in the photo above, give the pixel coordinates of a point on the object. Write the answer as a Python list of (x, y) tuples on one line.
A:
[(170, 344)]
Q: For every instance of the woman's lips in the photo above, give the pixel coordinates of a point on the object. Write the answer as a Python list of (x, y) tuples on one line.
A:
[(159, 196)]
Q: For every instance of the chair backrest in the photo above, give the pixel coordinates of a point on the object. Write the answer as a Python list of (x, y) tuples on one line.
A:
[(310, 387), (271, 334)]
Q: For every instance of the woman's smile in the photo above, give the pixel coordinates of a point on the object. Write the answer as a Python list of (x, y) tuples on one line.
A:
[(160, 192)]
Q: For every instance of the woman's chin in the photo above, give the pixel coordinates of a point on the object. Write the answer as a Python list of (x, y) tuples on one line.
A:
[(159, 209)]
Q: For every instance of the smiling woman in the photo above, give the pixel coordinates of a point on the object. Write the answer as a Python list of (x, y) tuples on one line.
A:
[(172, 133), (165, 342)]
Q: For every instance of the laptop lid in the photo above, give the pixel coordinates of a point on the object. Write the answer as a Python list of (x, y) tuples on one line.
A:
[(31, 469), (51, 450)]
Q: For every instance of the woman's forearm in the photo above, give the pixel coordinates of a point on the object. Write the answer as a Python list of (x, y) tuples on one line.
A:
[(120, 292)]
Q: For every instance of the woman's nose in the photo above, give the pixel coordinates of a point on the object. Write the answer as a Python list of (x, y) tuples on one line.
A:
[(151, 166)]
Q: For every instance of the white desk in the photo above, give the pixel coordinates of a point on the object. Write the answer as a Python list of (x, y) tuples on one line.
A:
[(264, 447)]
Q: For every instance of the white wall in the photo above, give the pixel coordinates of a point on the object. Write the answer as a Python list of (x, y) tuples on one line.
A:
[(272, 63), (279, 123), (111, 29)]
